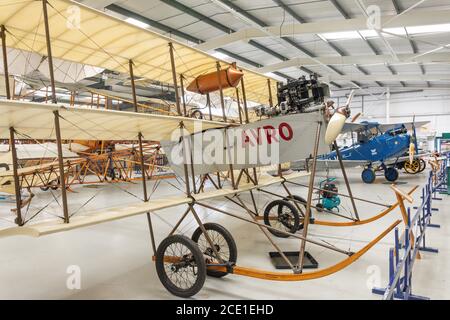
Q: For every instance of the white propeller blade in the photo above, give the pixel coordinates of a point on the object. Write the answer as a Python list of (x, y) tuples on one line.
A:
[(337, 121)]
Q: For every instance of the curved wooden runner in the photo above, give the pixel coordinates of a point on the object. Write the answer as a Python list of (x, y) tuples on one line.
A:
[(280, 276), (360, 222)]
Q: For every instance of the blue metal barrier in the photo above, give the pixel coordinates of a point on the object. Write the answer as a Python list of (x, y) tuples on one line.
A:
[(406, 248)]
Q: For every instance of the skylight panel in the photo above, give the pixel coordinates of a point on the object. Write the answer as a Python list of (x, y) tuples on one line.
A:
[(429, 29)]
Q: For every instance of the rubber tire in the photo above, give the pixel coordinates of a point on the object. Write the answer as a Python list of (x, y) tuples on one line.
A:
[(368, 175), (423, 165), (300, 199), (291, 207), (229, 240), (45, 188), (4, 165), (391, 174), (198, 256), (319, 207)]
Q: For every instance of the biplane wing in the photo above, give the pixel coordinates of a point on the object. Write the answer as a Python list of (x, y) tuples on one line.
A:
[(409, 125), (97, 217), (37, 120)]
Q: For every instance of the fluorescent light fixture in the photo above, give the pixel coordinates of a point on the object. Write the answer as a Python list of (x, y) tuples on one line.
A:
[(220, 55), (340, 35), (137, 23)]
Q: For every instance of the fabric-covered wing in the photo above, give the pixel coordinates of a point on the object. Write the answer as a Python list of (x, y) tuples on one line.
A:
[(408, 125), (37, 121), (87, 36)]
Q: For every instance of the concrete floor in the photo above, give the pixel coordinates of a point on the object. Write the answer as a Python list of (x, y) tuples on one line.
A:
[(115, 258)]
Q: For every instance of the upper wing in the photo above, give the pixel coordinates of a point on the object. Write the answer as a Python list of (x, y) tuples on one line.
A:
[(101, 40), (408, 125), (351, 126), (37, 121)]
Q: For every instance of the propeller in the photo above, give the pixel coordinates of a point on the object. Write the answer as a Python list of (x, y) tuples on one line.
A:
[(337, 121)]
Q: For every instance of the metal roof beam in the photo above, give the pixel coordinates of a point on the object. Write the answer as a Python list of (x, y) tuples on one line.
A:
[(437, 57), (388, 77), (180, 34), (413, 18)]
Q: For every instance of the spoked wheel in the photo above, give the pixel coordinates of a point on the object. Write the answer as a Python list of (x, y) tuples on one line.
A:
[(223, 242), (300, 205), (180, 266), (412, 167), (282, 215)]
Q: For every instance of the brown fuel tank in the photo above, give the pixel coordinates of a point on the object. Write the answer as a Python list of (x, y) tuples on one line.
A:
[(209, 82)]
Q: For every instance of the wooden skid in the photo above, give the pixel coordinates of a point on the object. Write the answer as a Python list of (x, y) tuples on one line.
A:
[(285, 276)]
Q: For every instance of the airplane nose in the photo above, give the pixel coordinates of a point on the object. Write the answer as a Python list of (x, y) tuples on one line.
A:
[(335, 125)]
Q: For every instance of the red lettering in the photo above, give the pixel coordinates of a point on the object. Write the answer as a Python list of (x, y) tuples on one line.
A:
[(290, 132), (270, 133)]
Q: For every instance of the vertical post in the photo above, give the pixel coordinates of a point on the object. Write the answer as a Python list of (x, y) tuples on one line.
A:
[(230, 159), (16, 177), (174, 77), (49, 51), (239, 105), (5, 62), (133, 86), (344, 173), (222, 102), (141, 156), (185, 167), (62, 176), (208, 102), (309, 200), (244, 97), (182, 95), (270, 93)]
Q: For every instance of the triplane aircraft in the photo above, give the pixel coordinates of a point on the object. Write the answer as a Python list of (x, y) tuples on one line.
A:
[(229, 171)]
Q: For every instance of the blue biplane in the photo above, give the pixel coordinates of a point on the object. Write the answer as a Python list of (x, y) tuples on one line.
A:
[(375, 147)]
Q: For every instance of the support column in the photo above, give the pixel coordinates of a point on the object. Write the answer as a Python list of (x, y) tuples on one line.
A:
[(16, 177), (222, 102), (133, 85), (309, 200), (182, 95), (174, 78), (5, 62), (49, 51), (62, 176)]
